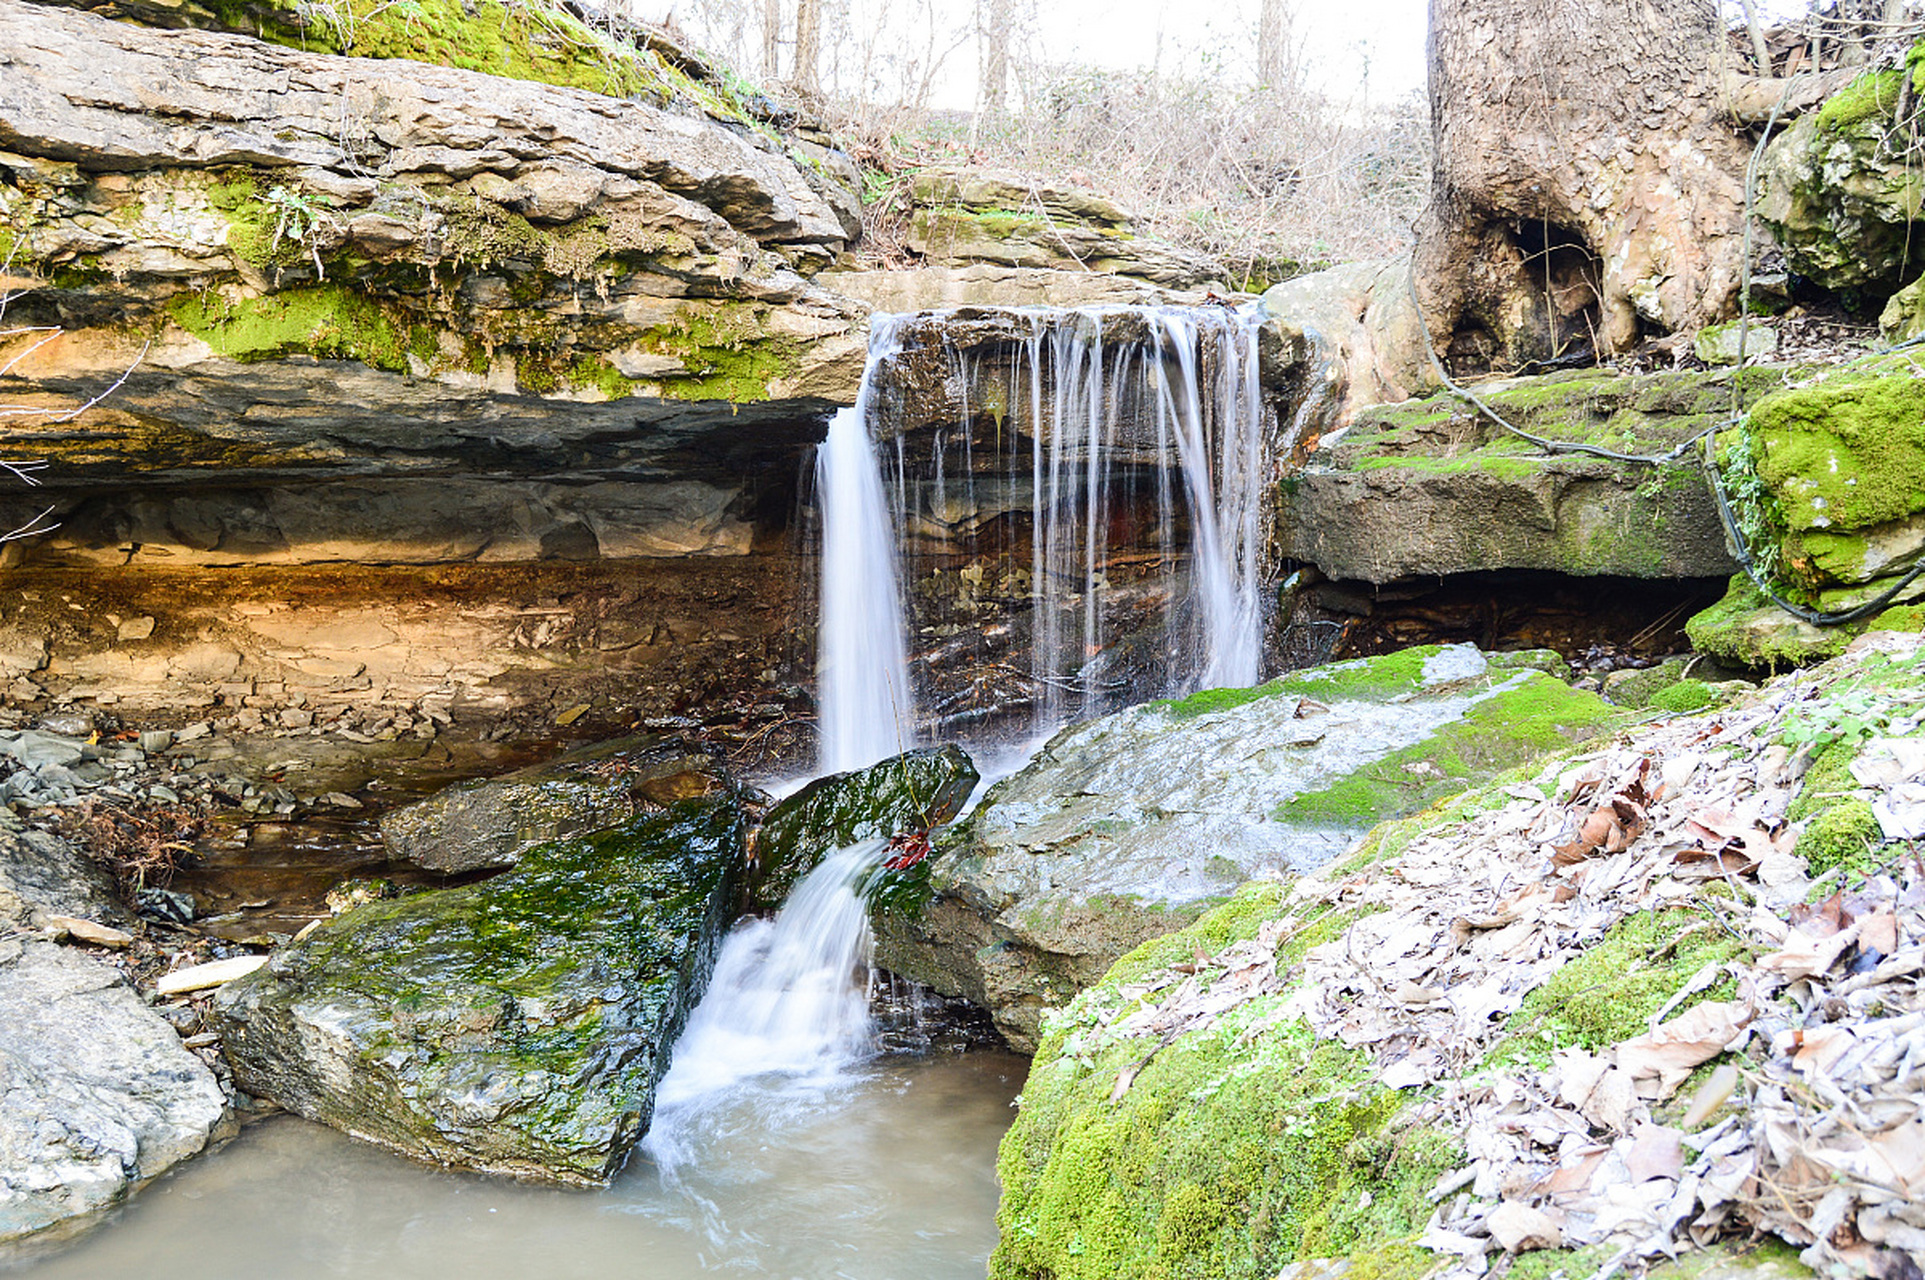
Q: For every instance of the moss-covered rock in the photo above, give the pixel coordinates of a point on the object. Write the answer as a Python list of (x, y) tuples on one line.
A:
[(1431, 487), (907, 793), (1132, 825), (492, 822), (1227, 1151), (1839, 198), (519, 1025)]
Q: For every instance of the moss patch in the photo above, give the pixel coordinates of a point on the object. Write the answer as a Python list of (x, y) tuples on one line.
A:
[(325, 321), (1534, 715), (1843, 834), (1608, 993), (1233, 1151)]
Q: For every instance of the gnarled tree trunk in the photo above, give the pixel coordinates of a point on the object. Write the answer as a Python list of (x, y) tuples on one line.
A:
[(1588, 184)]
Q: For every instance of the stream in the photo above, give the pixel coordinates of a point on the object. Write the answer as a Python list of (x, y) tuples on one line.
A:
[(888, 1173)]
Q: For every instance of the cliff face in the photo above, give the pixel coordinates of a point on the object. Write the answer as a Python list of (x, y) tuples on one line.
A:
[(327, 271), (371, 311)]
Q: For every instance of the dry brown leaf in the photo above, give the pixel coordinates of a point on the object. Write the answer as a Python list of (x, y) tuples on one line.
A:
[(1697, 1035)]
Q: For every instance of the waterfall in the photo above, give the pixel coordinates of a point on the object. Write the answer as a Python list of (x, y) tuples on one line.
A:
[(866, 711), (788, 1004)]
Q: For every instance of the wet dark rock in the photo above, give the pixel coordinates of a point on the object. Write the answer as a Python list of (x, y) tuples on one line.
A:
[(910, 792), (492, 822), (97, 1096), (44, 873), (516, 1026)]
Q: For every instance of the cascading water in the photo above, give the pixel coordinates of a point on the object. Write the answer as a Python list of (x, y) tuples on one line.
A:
[(1130, 445), (866, 710), (787, 1009)]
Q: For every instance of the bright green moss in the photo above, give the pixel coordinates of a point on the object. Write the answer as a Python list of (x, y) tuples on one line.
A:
[(1827, 781), (1234, 921), (325, 321), (1684, 696), (1607, 993), (1206, 701), (1843, 834), (1226, 1158), (1873, 96), (1362, 679), (1846, 452), (1535, 715)]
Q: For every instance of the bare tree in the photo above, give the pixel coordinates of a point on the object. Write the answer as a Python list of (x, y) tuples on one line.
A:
[(994, 19), (808, 44), (771, 40), (1274, 21)]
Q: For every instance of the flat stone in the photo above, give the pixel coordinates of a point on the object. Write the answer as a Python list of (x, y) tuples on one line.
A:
[(135, 629)]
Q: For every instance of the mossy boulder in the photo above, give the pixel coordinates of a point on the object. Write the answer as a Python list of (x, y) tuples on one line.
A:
[(492, 822), (1129, 826), (1839, 198), (516, 1026), (910, 792), (1431, 487), (1746, 629), (1228, 1151)]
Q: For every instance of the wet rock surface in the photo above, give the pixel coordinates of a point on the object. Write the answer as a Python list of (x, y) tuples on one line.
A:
[(907, 794), (492, 822), (515, 1026), (1127, 827)]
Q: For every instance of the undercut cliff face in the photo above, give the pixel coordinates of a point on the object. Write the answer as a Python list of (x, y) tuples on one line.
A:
[(420, 319)]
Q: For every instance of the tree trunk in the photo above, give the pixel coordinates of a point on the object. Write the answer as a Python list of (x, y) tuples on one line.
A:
[(994, 16), (808, 42), (1273, 44), (771, 40), (1588, 185)]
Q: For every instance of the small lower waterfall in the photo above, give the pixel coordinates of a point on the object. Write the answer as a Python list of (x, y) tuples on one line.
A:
[(789, 1000), (1112, 460)]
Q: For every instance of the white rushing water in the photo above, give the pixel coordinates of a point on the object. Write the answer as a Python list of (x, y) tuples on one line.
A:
[(1168, 415), (866, 711), (787, 1010)]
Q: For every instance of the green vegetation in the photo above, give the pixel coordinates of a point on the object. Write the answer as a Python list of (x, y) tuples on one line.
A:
[(1683, 697), (1608, 993), (1843, 834), (1207, 701), (326, 321), (1518, 722), (1233, 1151)]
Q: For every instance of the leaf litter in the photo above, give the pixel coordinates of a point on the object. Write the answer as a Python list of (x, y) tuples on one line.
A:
[(1805, 1116)]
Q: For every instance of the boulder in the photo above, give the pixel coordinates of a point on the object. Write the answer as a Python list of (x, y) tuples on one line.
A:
[(1129, 826), (46, 875), (1839, 198), (911, 792), (962, 216), (97, 1096), (1367, 346), (492, 822), (516, 1026), (1430, 487)]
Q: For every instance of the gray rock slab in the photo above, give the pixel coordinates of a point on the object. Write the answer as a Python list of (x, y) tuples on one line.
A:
[(97, 1096)]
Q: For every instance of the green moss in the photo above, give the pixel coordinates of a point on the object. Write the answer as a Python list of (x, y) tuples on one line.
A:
[(1745, 627), (1226, 1158), (325, 321), (1206, 701), (1362, 679), (1827, 781), (1534, 715), (1844, 453), (1684, 696), (1234, 921), (1560, 1264), (1873, 96), (1843, 834), (1608, 993)]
